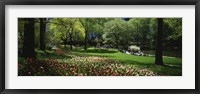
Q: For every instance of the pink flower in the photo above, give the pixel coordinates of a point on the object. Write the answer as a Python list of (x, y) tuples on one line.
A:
[(81, 74), (41, 67), (29, 73)]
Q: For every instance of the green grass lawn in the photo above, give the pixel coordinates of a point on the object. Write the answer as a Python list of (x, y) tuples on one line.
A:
[(169, 53), (173, 66), (93, 61)]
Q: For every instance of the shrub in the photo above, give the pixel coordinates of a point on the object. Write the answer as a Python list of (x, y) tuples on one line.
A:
[(134, 48)]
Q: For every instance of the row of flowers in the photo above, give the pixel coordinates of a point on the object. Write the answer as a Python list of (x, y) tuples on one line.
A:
[(79, 66)]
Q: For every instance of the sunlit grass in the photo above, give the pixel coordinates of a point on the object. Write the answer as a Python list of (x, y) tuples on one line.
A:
[(173, 66)]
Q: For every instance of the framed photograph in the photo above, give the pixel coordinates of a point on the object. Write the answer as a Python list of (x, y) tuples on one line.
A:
[(65, 46)]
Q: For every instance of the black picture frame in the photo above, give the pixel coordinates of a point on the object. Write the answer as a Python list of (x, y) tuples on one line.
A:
[(3, 3)]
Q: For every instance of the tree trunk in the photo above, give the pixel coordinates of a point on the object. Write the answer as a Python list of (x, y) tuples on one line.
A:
[(158, 56), (85, 41), (65, 39), (65, 45), (117, 40), (86, 33), (70, 38), (42, 33), (117, 43), (29, 34)]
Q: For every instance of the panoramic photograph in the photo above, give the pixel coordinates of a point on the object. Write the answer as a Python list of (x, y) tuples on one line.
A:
[(99, 46)]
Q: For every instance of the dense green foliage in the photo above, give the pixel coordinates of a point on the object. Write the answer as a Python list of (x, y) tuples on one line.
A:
[(102, 31)]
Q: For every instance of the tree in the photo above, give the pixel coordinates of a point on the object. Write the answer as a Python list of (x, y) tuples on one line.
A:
[(158, 56), (85, 23), (65, 28), (73, 25), (96, 30), (92, 25), (113, 31), (173, 33), (96, 34), (29, 34), (140, 31), (42, 33), (21, 23)]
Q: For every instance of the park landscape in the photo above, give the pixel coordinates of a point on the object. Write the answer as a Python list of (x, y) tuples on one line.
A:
[(100, 46)]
